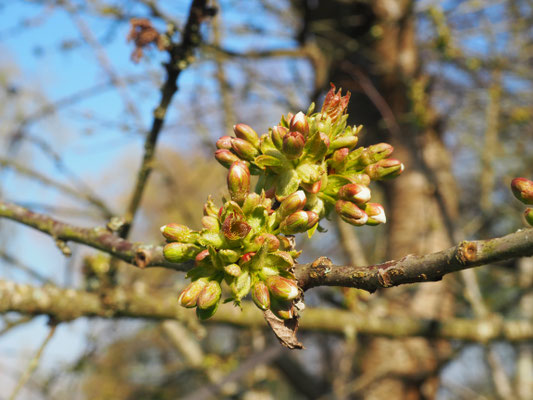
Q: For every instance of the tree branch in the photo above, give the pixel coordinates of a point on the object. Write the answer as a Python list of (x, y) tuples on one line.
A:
[(69, 304), (138, 254)]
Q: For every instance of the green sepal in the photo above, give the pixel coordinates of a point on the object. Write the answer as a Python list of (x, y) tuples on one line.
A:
[(311, 232), (208, 238), (287, 184), (241, 285)]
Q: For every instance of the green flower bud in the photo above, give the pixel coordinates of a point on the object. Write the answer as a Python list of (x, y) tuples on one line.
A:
[(238, 182), (224, 143), (178, 233), (271, 240), (355, 193), (277, 135), (337, 161), (261, 296), (177, 252), (292, 203), (298, 123), (245, 132), (384, 169), (297, 222), (282, 288), (210, 223), (375, 153), (228, 256), (376, 214), (241, 285), (348, 141), (251, 202), (293, 145), (189, 295), (232, 270), (244, 149), (350, 213), (209, 296), (528, 214), (523, 190), (226, 157)]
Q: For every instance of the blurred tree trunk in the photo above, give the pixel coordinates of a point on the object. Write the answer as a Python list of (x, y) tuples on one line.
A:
[(372, 52)]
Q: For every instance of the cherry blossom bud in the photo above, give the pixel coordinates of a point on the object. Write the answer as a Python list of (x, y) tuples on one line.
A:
[(384, 169), (375, 153), (292, 203), (278, 133), (232, 270), (523, 190), (376, 214), (226, 157), (209, 296), (299, 123), (202, 258), (348, 141), (337, 160), (189, 295), (177, 232), (529, 216), (282, 288), (177, 252), (312, 188), (244, 149), (243, 131), (355, 193), (238, 181), (271, 241), (210, 223), (299, 221), (207, 313), (224, 143), (228, 256), (282, 309), (350, 213), (293, 145), (261, 296)]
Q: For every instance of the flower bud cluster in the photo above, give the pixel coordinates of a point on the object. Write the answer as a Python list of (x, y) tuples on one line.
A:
[(522, 189), (307, 166), (244, 246), (315, 153)]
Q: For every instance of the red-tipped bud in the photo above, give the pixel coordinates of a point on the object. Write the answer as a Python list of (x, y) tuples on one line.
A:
[(278, 133), (384, 169), (312, 188), (376, 214), (176, 232), (235, 227), (226, 157), (189, 295), (243, 131), (224, 143), (355, 193), (209, 296), (177, 252), (282, 288), (375, 153), (528, 214), (299, 221), (246, 257), (238, 182), (261, 296), (360, 179), (244, 149), (523, 190), (232, 270), (272, 242), (349, 141), (210, 223), (293, 145), (202, 258), (335, 104), (350, 213), (336, 161), (292, 203), (299, 123)]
